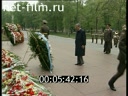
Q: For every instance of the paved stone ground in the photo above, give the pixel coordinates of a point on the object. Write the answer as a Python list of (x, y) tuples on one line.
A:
[(99, 66)]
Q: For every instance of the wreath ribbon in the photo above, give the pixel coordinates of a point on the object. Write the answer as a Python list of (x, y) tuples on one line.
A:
[(48, 47)]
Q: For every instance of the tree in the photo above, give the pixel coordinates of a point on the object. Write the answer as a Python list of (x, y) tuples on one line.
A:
[(91, 14), (6, 17)]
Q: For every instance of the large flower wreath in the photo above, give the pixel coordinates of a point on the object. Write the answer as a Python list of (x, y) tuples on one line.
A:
[(40, 46), (13, 33)]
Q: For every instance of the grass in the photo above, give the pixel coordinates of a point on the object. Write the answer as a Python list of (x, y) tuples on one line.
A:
[(88, 36), (66, 35)]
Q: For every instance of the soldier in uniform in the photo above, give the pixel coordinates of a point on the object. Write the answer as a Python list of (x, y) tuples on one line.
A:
[(116, 38), (108, 35), (122, 59), (19, 28), (45, 29)]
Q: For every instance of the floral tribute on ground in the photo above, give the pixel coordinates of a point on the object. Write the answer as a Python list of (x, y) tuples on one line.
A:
[(18, 82), (41, 48), (13, 33)]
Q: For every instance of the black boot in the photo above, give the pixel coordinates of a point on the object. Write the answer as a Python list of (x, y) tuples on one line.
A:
[(111, 86)]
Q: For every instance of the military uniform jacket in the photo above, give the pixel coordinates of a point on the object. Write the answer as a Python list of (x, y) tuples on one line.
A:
[(108, 35), (122, 47), (44, 29)]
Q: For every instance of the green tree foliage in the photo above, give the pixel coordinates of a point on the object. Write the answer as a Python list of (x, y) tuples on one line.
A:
[(6, 17), (90, 13)]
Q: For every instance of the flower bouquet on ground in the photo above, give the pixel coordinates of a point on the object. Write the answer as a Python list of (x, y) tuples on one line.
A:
[(40, 47), (10, 60), (18, 82), (13, 33)]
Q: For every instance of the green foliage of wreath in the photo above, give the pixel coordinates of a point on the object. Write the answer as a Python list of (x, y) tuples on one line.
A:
[(9, 35), (39, 49)]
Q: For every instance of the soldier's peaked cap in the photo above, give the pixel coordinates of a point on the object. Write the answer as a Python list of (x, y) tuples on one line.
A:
[(44, 21), (109, 24)]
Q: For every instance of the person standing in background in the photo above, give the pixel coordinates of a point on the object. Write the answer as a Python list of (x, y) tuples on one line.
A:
[(108, 35), (45, 29), (80, 42)]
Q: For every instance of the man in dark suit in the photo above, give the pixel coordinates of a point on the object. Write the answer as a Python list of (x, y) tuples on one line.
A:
[(45, 29), (122, 60), (108, 35), (80, 42)]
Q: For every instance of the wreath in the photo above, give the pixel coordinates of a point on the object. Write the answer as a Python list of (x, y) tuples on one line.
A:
[(13, 33), (40, 47)]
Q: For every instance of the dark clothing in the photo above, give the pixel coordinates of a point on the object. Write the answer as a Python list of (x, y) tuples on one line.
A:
[(120, 71), (107, 47), (108, 35), (115, 42), (122, 47), (122, 59), (116, 39), (45, 30), (79, 41), (80, 60)]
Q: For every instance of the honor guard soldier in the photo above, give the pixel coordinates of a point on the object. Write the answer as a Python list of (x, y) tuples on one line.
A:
[(45, 29)]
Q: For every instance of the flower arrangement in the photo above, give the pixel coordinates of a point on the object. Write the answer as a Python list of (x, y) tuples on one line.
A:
[(13, 33), (40, 47), (17, 82), (8, 58)]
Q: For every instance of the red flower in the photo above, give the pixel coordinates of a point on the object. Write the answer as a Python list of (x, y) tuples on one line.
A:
[(16, 87), (24, 78), (28, 84), (30, 91), (18, 81), (42, 94), (9, 75), (10, 92)]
